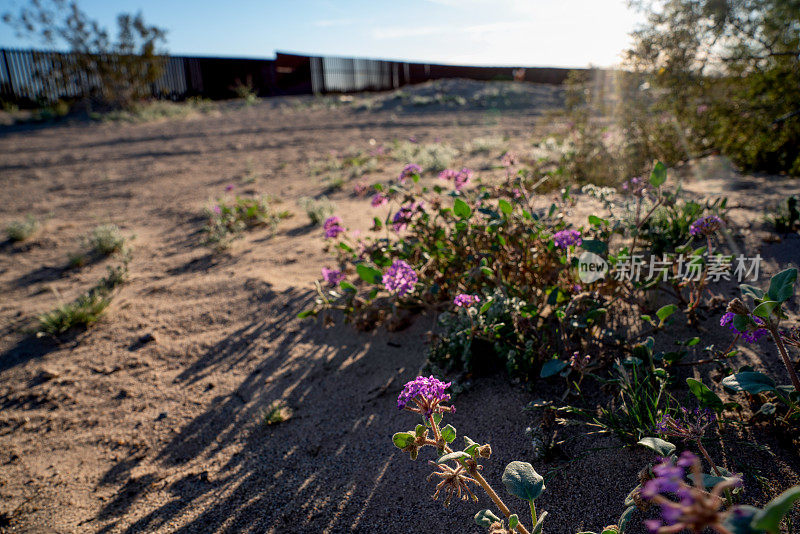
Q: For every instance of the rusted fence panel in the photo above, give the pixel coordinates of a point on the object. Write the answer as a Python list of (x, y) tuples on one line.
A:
[(26, 79)]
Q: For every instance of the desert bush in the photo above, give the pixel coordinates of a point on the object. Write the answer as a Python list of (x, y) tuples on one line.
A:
[(701, 77), (105, 239), (23, 229), (432, 157), (317, 209), (113, 74), (785, 217), (88, 308), (228, 218)]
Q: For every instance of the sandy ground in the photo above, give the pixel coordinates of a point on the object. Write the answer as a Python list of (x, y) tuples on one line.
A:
[(103, 433)]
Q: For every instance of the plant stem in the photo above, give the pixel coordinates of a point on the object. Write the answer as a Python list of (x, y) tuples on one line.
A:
[(495, 498), (533, 513), (776, 337)]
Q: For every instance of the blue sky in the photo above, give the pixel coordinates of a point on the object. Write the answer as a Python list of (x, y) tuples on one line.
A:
[(569, 33)]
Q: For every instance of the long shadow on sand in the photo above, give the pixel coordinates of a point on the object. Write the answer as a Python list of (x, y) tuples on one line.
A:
[(317, 472)]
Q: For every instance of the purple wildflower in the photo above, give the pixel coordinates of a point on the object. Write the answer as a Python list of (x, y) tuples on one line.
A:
[(565, 238), (333, 227), (229, 187), (448, 174), (332, 276), (465, 301), (403, 216), (462, 178), (408, 171), (636, 186), (400, 278), (426, 393), (695, 509), (216, 209), (751, 335), (379, 200), (705, 225), (459, 178)]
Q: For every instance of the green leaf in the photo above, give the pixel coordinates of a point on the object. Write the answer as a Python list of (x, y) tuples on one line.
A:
[(659, 174), (741, 322), (347, 286), (402, 440), (513, 521), (505, 206), (769, 518), (537, 529), (752, 291), (624, 518), (419, 431), (781, 286), (449, 433), (739, 521), (658, 445), (461, 209), (552, 368), (749, 381), (485, 518), (370, 275), (305, 313), (765, 309), (706, 397), (664, 312), (594, 245), (471, 447), (594, 220), (457, 455), (521, 480)]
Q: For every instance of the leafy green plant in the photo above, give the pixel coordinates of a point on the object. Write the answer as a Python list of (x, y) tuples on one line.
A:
[(229, 218), (277, 412), (88, 308), (785, 218)]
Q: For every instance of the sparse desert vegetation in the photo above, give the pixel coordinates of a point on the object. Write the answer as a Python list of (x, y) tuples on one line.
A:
[(456, 254)]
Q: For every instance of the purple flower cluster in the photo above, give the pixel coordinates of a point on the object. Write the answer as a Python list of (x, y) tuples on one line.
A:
[(403, 216), (696, 509), (333, 227), (400, 278), (429, 391), (459, 178), (705, 225), (565, 238), (332, 276), (751, 336), (408, 171), (378, 200), (669, 479), (465, 301), (229, 188)]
